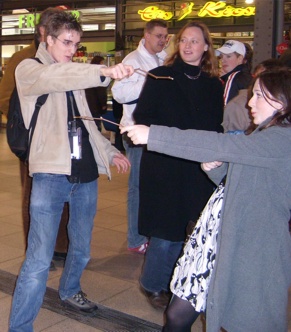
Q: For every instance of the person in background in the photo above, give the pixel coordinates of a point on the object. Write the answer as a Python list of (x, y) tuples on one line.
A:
[(97, 96), (117, 112), (6, 87), (173, 191), (236, 115), (248, 58), (64, 169), (236, 265), (147, 56), (236, 74)]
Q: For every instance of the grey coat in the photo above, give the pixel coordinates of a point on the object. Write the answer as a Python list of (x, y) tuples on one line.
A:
[(252, 274)]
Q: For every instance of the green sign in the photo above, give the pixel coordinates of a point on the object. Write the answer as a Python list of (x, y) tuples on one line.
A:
[(31, 20)]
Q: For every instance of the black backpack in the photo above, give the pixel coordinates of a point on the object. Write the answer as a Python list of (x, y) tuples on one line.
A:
[(18, 137)]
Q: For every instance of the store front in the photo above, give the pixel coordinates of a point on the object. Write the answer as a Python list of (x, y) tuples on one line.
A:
[(225, 20), (260, 22), (18, 26)]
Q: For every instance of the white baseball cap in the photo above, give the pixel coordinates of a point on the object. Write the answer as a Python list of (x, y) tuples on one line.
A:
[(231, 46)]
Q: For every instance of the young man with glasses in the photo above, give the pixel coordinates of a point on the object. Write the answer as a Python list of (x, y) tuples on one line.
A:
[(66, 157), (148, 55), (6, 88)]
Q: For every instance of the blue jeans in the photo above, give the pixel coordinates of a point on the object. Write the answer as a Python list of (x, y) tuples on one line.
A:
[(159, 264), (49, 193), (133, 153)]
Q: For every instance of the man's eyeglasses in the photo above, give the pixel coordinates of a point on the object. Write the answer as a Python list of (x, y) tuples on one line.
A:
[(70, 44), (160, 36)]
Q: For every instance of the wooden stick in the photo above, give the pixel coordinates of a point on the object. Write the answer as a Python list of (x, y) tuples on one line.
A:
[(116, 124), (137, 70), (92, 119)]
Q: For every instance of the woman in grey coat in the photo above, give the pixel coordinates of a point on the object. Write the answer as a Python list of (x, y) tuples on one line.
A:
[(251, 271)]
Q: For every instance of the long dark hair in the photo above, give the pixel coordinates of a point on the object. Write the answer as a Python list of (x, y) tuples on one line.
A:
[(276, 86), (208, 61)]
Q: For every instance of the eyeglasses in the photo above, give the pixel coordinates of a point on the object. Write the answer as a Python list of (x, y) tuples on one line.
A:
[(160, 36), (70, 44)]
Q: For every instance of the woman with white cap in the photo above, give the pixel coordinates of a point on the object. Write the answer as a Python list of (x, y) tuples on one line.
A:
[(236, 73)]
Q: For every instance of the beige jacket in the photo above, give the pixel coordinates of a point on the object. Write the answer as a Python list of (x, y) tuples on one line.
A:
[(8, 81), (50, 149)]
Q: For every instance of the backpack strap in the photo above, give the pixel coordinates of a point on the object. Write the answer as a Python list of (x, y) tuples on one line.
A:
[(39, 102)]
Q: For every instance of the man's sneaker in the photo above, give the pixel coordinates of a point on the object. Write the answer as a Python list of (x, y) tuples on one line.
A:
[(59, 256), (141, 249), (79, 302)]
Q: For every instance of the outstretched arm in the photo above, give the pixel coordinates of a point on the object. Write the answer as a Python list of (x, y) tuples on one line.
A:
[(139, 134), (117, 72)]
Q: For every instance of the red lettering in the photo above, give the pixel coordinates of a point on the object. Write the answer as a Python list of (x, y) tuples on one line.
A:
[(238, 11)]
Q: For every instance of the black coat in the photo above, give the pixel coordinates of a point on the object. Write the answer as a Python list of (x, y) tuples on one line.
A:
[(174, 190)]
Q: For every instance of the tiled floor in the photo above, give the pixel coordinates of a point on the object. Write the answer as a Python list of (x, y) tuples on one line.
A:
[(111, 277)]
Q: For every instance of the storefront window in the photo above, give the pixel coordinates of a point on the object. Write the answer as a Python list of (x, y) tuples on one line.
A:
[(18, 27), (23, 21)]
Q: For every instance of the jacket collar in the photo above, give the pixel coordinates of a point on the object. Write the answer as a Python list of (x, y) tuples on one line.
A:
[(242, 68), (44, 55)]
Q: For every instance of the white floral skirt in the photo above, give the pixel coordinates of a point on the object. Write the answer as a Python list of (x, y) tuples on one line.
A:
[(193, 270)]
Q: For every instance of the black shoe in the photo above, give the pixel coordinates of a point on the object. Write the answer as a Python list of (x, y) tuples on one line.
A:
[(159, 300), (52, 266), (59, 256), (79, 302)]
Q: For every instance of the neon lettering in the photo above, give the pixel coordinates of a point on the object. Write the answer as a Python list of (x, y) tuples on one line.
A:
[(21, 21), (211, 8), (186, 9), (37, 18), (31, 20), (219, 9), (153, 12), (76, 13)]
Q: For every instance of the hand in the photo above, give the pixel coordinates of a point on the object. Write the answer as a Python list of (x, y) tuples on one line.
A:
[(139, 134), (121, 162), (117, 72), (210, 165)]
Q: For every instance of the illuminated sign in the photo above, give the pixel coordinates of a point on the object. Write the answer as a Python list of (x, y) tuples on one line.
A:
[(31, 20), (281, 48), (211, 8), (153, 12), (186, 9), (220, 9), (28, 21)]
